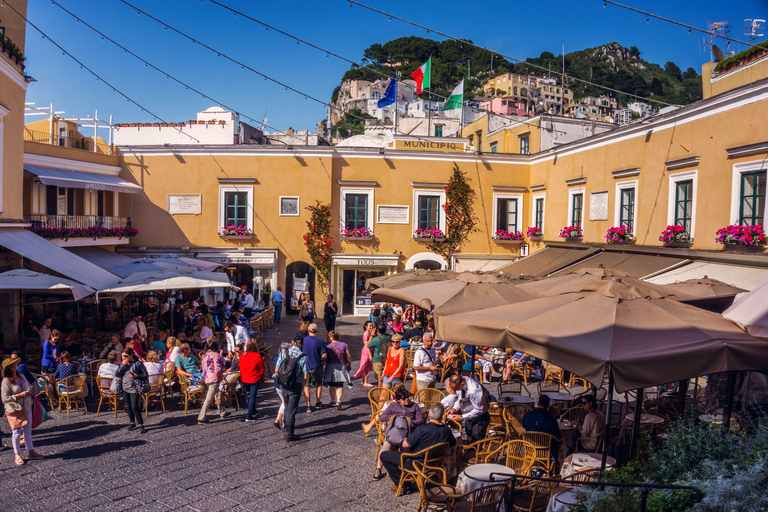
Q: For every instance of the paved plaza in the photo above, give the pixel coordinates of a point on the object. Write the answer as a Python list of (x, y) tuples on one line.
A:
[(97, 464)]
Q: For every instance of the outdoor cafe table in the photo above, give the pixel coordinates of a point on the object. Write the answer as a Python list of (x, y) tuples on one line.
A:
[(646, 419), (559, 397), (568, 435), (563, 498), (478, 476), (577, 461), (515, 399)]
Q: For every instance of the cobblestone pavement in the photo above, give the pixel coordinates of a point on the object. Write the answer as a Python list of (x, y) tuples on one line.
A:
[(96, 464)]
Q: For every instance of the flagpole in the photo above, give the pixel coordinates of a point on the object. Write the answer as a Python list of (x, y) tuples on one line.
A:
[(397, 73), (429, 99)]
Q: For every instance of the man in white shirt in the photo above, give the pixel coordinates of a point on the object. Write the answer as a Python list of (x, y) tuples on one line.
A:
[(398, 309), (235, 334), (247, 303), (109, 368), (467, 404), (425, 364), (45, 330), (136, 326)]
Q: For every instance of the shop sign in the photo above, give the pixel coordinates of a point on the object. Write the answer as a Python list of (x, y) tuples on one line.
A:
[(431, 145), (393, 214), (185, 204), (598, 206), (247, 260), (390, 261)]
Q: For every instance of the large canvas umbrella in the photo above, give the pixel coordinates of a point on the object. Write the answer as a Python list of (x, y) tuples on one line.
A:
[(463, 293), (750, 311), (574, 280), (644, 341), (164, 280), (409, 278), (23, 279), (704, 288)]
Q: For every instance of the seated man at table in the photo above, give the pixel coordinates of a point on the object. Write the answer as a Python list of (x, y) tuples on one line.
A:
[(187, 364), (481, 360), (540, 420), (109, 368), (594, 423), (114, 345), (467, 403), (429, 434)]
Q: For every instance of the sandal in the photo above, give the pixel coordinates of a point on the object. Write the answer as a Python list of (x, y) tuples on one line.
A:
[(19, 461), (366, 429), (379, 474), (34, 455)]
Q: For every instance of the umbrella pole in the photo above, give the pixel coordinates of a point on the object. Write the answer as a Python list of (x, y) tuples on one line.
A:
[(608, 423), (636, 422), (730, 385), (472, 361), (682, 390)]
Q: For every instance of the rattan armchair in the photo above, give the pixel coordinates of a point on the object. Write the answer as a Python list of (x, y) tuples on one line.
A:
[(549, 386), (169, 376), (598, 438), (104, 383), (554, 373), (156, 386), (73, 392), (189, 391), (512, 387), (478, 451), (431, 457), (433, 494), (485, 499), (577, 413), (379, 395), (429, 396), (46, 393), (517, 454), (532, 497), (543, 443)]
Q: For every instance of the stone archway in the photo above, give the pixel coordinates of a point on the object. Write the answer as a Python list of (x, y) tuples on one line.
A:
[(426, 261)]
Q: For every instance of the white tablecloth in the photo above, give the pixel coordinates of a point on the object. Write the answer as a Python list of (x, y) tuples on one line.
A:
[(562, 499), (578, 461), (478, 476)]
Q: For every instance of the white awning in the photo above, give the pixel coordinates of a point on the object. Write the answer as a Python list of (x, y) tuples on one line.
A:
[(742, 276), (79, 179), (464, 264), (101, 257), (23, 279), (50, 255)]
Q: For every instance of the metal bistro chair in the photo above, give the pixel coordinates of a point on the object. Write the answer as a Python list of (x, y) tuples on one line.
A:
[(73, 392)]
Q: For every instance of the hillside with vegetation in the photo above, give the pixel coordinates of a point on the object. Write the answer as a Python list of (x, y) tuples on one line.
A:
[(610, 65)]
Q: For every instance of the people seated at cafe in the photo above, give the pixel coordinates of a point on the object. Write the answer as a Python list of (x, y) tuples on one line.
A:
[(154, 366), (114, 345), (159, 344), (423, 436), (109, 368), (540, 420), (65, 368), (187, 364), (135, 344), (482, 360), (415, 332), (592, 425)]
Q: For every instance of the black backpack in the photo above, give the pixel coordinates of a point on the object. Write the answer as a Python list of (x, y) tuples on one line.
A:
[(287, 372)]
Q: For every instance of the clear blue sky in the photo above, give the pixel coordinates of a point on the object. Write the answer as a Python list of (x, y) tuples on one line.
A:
[(520, 30)]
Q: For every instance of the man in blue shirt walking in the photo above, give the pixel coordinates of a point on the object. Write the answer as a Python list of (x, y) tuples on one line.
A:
[(277, 302), (315, 349)]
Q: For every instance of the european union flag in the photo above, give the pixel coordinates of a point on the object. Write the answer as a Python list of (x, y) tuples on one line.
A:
[(389, 95)]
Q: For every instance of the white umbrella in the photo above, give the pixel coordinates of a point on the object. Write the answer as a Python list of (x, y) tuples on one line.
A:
[(750, 311), (163, 280), (22, 279)]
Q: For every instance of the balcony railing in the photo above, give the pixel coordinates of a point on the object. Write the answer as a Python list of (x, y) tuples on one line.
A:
[(66, 142), (78, 221)]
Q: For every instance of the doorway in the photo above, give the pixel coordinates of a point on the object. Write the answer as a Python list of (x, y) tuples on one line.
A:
[(348, 292)]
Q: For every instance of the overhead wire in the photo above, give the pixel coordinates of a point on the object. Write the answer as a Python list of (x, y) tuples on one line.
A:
[(98, 77), (464, 41)]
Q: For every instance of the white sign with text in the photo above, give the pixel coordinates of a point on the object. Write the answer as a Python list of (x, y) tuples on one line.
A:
[(185, 204), (393, 214)]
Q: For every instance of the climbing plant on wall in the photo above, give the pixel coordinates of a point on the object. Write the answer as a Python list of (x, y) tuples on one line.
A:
[(460, 220), (319, 242)]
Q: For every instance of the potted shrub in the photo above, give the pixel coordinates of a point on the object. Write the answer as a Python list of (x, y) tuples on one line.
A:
[(742, 238), (535, 233), (675, 236), (504, 236), (429, 234), (571, 233), (193, 122), (621, 235), (165, 125), (356, 233), (222, 122), (235, 231)]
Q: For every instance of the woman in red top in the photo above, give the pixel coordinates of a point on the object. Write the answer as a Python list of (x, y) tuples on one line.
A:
[(394, 370), (252, 376)]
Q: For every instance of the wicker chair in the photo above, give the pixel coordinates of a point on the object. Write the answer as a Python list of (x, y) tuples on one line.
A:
[(429, 396), (497, 424), (112, 399), (93, 372), (169, 373), (583, 475), (575, 414), (73, 392), (517, 454), (577, 380), (478, 451), (513, 415), (156, 387), (549, 386), (484, 499), (598, 438), (512, 387), (524, 371), (554, 373), (189, 391), (433, 494), (543, 443), (533, 497), (432, 457), (47, 392), (379, 395)]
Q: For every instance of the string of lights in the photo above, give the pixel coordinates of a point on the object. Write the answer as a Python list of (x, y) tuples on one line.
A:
[(149, 64), (98, 77), (564, 76)]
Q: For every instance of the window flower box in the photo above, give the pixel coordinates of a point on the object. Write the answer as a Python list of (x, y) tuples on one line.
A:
[(571, 233), (742, 238), (535, 234), (621, 235), (675, 237), (356, 234), (232, 232), (503, 236), (429, 234)]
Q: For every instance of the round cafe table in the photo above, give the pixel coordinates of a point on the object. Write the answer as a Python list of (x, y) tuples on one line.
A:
[(563, 498), (559, 397), (478, 476), (578, 461), (646, 419), (568, 435), (515, 399)]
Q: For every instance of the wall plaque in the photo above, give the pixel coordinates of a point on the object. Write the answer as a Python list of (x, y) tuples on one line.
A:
[(185, 204), (393, 214), (598, 206)]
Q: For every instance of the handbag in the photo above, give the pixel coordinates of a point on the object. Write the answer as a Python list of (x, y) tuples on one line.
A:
[(223, 396), (39, 414), (16, 416), (116, 387), (414, 386)]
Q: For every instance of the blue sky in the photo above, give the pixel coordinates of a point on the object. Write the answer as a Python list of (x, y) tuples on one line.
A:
[(521, 30)]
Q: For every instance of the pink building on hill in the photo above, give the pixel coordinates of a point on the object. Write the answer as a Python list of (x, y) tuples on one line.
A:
[(506, 106)]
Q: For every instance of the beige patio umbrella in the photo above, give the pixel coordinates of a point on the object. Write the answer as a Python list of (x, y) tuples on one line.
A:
[(409, 278), (644, 338), (750, 311), (463, 293), (574, 281), (23, 279), (704, 288)]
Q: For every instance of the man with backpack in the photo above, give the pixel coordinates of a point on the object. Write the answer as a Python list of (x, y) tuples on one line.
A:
[(292, 372)]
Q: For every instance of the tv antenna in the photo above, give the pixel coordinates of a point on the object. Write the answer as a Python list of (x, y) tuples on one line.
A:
[(753, 29), (718, 29)]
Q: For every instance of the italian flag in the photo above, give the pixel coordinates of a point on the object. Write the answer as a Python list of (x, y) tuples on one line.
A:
[(456, 98), (423, 75)]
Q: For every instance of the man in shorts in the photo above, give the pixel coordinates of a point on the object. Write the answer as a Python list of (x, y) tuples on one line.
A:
[(314, 348)]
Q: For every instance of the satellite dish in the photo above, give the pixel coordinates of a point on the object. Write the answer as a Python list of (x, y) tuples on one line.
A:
[(718, 53)]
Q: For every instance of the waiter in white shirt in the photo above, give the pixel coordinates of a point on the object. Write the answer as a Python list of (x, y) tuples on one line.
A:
[(136, 326), (247, 304), (235, 334), (45, 330), (467, 404)]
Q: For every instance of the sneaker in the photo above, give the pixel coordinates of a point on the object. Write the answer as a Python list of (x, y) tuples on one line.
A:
[(319, 405), (379, 474), (132, 427), (309, 409), (142, 430), (292, 438), (200, 422)]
